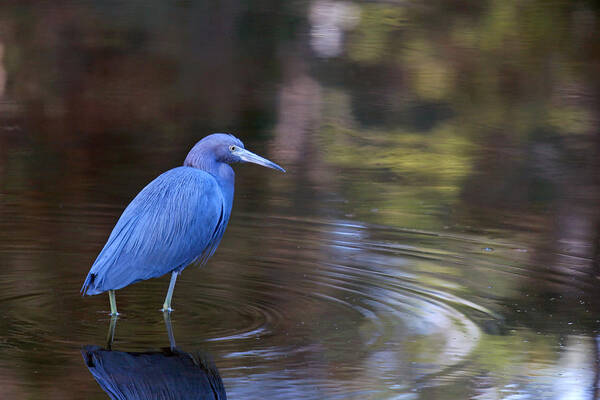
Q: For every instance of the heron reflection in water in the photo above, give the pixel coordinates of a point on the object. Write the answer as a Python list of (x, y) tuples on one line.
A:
[(167, 374)]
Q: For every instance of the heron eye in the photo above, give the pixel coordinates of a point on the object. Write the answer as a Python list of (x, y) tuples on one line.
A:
[(231, 148)]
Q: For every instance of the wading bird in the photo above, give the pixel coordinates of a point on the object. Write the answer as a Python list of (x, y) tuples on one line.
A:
[(177, 219)]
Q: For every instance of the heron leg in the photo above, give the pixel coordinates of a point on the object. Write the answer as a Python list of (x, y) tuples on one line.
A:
[(167, 318), (113, 303), (167, 305)]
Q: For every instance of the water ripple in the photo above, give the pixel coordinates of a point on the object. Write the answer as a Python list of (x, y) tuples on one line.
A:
[(355, 309), (324, 294)]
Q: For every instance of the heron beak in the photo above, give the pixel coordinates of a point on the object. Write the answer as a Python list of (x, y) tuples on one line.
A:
[(248, 156)]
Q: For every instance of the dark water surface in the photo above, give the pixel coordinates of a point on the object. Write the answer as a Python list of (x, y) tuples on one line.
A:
[(436, 236)]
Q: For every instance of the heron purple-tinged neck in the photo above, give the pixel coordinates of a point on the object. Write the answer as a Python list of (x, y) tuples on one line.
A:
[(177, 219)]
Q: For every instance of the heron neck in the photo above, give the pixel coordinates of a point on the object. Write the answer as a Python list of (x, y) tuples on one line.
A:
[(226, 179), (222, 172)]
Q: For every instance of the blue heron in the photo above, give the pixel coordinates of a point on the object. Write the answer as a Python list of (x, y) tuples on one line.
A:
[(177, 219)]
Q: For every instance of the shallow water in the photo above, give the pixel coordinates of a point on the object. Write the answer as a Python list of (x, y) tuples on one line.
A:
[(436, 235)]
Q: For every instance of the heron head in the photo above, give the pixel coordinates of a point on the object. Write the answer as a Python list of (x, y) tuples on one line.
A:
[(224, 148)]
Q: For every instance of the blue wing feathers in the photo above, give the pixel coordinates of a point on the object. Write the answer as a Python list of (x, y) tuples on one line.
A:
[(176, 219)]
